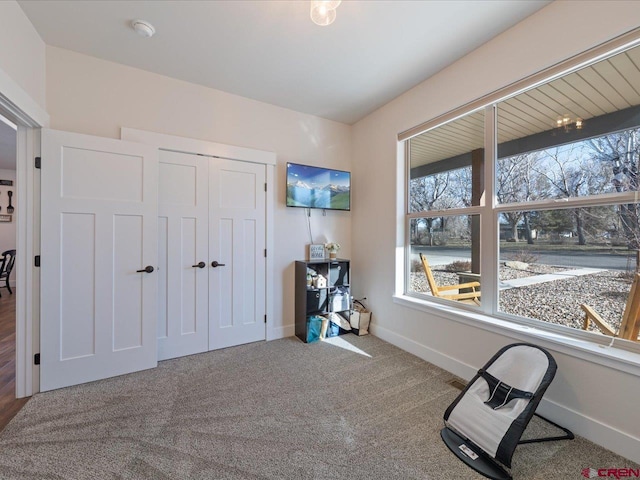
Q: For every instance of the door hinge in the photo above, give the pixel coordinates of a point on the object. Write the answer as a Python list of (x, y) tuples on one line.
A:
[(265, 252), (265, 186), (36, 359), (265, 318), (36, 260), (38, 162)]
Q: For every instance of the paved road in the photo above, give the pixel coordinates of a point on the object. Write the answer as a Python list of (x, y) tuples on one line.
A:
[(609, 261)]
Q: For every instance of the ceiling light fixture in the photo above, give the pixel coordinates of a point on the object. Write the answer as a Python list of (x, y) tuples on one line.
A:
[(567, 123), (323, 12), (142, 28)]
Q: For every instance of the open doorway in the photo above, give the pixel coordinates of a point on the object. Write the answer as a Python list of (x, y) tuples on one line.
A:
[(9, 405)]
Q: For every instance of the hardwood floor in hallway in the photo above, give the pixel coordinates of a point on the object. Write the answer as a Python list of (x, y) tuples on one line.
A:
[(9, 405)]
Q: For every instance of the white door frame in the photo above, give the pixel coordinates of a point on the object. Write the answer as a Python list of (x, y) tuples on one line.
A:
[(231, 152), (21, 109), (27, 275)]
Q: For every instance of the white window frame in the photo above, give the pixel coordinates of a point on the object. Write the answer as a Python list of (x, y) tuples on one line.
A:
[(616, 353)]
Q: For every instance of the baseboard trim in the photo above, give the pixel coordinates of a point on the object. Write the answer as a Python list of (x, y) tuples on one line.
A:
[(12, 284), (593, 430), (274, 333), (439, 359)]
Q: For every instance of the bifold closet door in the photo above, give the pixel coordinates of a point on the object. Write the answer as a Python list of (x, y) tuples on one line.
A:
[(237, 239), (211, 235), (99, 253), (183, 218)]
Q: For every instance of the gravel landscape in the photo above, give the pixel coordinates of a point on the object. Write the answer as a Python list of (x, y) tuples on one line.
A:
[(556, 301)]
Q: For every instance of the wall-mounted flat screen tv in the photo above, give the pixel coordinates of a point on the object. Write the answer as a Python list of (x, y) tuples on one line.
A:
[(317, 187)]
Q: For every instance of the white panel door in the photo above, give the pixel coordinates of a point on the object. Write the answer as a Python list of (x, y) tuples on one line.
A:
[(183, 219), (236, 253), (99, 228)]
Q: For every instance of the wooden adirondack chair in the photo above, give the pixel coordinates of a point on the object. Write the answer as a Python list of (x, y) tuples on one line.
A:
[(468, 297), (630, 325)]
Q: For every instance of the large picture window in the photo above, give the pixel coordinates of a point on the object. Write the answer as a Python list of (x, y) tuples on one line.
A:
[(556, 193)]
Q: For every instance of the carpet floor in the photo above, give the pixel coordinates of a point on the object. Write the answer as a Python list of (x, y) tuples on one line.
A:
[(351, 408)]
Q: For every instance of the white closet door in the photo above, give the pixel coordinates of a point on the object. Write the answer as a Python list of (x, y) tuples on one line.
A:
[(236, 252), (183, 218), (99, 228)]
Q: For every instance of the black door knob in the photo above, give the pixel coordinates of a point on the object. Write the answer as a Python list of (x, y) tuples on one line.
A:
[(199, 265), (215, 264), (147, 269)]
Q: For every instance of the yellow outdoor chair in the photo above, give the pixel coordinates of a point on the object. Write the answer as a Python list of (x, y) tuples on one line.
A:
[(630, 325), (468, 297)]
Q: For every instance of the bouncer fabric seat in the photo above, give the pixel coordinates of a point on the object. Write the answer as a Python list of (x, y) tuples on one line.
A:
[(485, 422)]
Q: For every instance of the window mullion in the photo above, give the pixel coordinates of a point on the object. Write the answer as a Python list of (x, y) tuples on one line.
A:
[(450, 212), (573, 202), (402, 275), (489, 219)]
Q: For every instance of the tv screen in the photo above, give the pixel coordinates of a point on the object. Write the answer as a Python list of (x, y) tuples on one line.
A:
[(316, 187)]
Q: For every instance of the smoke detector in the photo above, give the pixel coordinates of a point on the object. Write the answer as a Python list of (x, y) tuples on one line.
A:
[(142, 28)]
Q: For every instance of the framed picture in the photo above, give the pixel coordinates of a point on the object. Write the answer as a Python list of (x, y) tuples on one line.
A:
[(316, 251), (5, 218)]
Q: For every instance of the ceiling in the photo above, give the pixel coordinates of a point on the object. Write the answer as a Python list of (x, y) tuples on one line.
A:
[(609, 86), (271, 51)]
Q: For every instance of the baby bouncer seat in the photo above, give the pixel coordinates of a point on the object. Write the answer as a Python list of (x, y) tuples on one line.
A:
[(484, 424)]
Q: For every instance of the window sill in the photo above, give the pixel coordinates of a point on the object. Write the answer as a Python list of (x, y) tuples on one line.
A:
[(615, 358)]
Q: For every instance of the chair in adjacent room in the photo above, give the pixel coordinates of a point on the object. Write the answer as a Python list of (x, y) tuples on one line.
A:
[(472, 296), (6, 266), (630, 325)]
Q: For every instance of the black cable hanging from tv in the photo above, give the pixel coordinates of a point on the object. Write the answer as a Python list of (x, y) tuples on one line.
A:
[(309, 225)]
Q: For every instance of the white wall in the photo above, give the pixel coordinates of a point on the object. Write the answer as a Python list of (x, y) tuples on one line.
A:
[(22, 59), (96, 97), (589, 397), (8, 229)]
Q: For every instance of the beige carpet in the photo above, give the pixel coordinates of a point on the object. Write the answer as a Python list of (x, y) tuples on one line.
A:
[(276, 410)]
